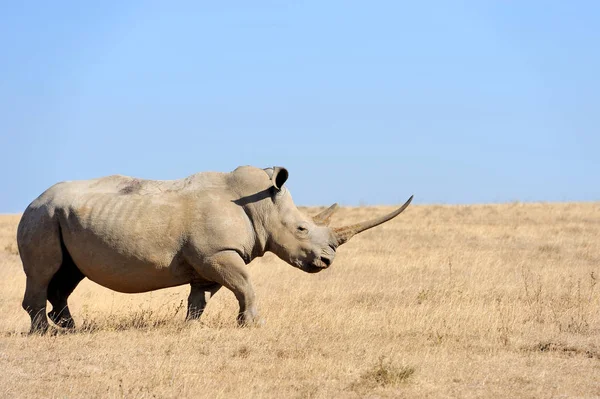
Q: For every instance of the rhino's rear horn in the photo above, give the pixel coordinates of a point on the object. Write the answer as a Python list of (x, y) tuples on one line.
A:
[(343, 234), (324, 218)]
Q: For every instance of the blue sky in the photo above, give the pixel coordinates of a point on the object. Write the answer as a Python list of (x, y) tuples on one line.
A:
[(363, 102)]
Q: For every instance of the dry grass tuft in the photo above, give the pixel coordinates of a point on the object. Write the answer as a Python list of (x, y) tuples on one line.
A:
[(242, 352), (384, 373), (569, 350), (11, 248)]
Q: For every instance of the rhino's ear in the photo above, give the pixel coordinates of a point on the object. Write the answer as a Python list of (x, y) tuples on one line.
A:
[(279, 177)]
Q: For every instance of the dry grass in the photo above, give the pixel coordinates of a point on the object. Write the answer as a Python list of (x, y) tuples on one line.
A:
[(445, 301)]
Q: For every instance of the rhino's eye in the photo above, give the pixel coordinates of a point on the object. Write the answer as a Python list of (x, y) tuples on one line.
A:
[(302, 230)]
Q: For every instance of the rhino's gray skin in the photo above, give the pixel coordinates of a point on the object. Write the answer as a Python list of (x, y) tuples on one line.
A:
[(133, 235)]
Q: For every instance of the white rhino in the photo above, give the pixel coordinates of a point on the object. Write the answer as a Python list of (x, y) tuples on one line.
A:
[(133, 235)]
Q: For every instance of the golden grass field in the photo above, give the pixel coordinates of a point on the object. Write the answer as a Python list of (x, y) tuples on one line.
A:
[(490, 301)]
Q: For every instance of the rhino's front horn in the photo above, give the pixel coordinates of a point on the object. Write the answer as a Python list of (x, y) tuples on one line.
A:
[(324, 217), (343, 234)]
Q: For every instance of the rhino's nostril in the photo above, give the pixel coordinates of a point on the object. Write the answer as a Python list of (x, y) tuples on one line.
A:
[(326, 261)]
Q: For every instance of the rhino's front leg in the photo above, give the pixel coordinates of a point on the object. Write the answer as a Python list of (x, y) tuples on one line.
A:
[(229, 270), (199, 296)]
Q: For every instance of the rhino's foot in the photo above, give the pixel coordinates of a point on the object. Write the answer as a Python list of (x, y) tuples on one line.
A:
[(250, 318), (251, 324), (39, 322), (39, 326), (61, 319), (193, 314), (40, 330)]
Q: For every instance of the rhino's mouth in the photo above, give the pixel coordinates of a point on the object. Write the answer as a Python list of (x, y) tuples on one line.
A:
[(310, 268), (316, 266)]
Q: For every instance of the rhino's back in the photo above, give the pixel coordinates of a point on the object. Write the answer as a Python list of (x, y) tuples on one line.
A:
[(63, 194)]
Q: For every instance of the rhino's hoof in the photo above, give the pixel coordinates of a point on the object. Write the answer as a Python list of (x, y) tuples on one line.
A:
[(258, 322), (38, 330), (63, 322)]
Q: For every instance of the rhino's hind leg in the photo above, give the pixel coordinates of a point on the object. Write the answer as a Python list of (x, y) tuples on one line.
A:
[(42, 257), (199, 296), (34, 302), (61, 286)]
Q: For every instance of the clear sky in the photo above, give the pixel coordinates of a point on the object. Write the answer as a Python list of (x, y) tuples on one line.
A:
[(363, 102)]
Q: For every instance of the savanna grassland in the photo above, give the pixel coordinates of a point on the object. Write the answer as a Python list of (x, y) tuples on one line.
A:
[(489, 301)]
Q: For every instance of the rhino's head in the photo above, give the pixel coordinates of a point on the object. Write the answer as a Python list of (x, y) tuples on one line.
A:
[(304, 242)]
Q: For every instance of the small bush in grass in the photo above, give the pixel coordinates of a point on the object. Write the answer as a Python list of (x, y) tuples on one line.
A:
[(11, 248), (384, 373)]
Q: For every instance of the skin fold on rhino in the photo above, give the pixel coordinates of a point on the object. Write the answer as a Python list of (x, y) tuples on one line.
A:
[(133, 235)]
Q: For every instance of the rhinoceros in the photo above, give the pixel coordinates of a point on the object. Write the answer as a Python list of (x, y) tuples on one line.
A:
[(133, 235)]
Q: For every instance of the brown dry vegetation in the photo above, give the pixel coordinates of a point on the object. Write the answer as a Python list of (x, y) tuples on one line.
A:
[(445, 301)]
